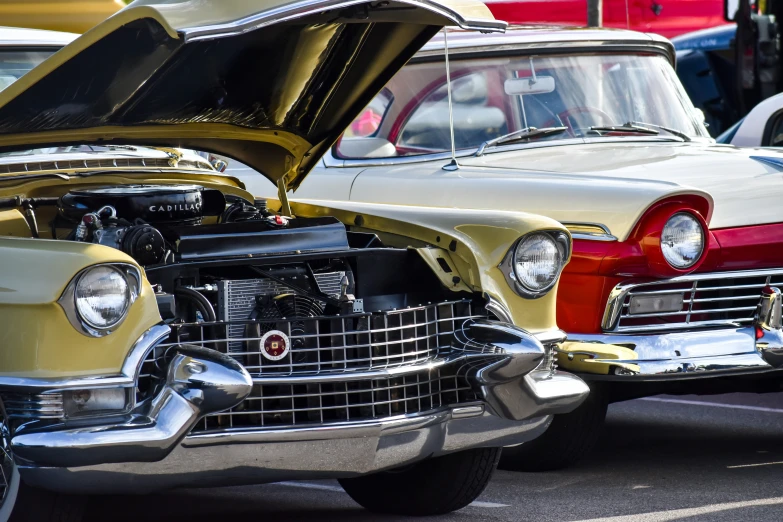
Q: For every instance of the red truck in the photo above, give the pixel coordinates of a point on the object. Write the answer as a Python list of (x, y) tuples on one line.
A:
[(666, 17)]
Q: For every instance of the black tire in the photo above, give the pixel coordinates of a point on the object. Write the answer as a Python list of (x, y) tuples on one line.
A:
[(432, 487), (569, 438)]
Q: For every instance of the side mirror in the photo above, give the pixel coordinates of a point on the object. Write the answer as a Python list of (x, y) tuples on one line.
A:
[(700, 116), (533, 85)]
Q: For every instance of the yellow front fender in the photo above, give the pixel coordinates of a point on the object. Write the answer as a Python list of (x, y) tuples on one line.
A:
[(473, 241), (36, 338)]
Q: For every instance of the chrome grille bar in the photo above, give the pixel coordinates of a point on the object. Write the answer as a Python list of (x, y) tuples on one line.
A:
[(722, 299), (289, 405), (34, 406), (329, 344)]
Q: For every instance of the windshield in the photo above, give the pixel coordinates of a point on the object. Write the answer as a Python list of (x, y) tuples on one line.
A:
[(493, 97), (13, 64)]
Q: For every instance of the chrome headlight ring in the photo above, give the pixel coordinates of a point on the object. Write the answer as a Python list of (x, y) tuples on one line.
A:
[(561, 242), (68, 300)]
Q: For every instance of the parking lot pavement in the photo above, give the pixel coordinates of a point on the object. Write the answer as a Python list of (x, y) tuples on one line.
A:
[(717, 458)]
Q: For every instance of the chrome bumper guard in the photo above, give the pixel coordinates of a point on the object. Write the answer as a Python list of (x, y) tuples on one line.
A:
[(697, 353), (155, 448)]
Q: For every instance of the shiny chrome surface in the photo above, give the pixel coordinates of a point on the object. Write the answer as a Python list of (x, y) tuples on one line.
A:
[(507, 265), (590, 231), (546, 36), (9, 476), (68, 304), (685, 355), (33, 405), (719, 299), (493, 375), (277, 404), (127, 376), (89, 162), (262, 456), (199, 381), (769, 326), (343, 344)]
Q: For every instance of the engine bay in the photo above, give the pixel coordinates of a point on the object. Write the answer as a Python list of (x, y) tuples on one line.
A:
[(229, 273)]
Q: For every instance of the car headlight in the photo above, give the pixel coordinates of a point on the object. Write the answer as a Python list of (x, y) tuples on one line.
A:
[(98, 299), (534, 264), (682, 240)]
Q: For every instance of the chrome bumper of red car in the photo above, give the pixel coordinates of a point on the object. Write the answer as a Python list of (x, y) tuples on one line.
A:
[(691, 354)]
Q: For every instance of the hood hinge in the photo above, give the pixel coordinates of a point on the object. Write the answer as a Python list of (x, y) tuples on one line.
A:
[(285, 206)]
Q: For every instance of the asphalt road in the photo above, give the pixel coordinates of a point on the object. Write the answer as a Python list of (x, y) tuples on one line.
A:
[(716, 458)]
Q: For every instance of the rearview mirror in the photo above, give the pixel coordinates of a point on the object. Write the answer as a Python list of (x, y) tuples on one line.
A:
[(532, 85)]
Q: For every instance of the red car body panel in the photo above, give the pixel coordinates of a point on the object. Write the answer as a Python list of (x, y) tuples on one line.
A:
[(673, 18), (597, 267)]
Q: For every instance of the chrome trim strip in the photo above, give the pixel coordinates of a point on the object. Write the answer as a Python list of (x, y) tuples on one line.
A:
[(499, 310), (307, 7), (126, 378), (614, 303), (605, 236)]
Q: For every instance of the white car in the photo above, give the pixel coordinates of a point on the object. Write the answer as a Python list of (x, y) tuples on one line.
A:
[(762, 127), (673, 284), (23, 49)]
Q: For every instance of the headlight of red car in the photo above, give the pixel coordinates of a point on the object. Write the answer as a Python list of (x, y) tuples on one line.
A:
[(682, 240)]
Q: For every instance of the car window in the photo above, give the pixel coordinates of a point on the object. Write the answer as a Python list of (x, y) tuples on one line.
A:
[(494, 96), (367, 124), (14, 64), (775, 135)]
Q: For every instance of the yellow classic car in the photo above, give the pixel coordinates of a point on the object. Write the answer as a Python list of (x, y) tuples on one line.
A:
[(160, 327)]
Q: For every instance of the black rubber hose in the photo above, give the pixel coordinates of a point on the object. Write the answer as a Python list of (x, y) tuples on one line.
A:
[(205, 307)]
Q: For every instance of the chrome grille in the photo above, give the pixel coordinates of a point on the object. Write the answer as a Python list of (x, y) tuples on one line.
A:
[(335, 344), (708, 300), (119, 162), (237, 299), (284, 405), (327, 345), (33, 406)]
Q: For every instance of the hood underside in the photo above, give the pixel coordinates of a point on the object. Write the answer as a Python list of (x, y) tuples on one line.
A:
[(270, 83)]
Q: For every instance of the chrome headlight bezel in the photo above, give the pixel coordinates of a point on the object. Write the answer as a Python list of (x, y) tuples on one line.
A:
[(562, 241), (703, 237), (67, 301)]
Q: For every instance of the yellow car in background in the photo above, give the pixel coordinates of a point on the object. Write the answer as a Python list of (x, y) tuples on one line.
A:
[(75, 16)]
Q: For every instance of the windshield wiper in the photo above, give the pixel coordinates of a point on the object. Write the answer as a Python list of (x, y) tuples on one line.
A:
[(521, 134), (641, 127)]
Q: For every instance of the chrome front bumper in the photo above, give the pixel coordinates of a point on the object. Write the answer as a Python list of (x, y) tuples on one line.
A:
[(155, 448), (690, 354)]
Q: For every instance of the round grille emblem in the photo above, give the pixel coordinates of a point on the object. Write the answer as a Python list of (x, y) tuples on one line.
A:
[(275, 345)]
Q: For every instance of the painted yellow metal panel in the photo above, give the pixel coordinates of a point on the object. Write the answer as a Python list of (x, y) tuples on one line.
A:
[(74, 16), (13, 223), (36, 338), (477, 249)]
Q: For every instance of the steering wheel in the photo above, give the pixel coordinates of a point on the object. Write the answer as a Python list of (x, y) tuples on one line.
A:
[(566, 116)]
